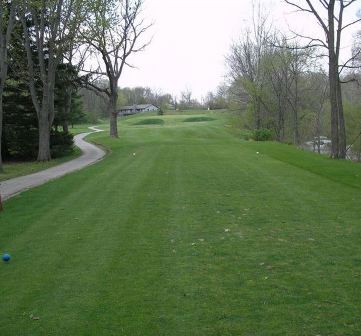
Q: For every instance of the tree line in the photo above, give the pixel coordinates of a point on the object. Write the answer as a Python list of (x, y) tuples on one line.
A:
[(51, 48), (283, 82), (95, 107)]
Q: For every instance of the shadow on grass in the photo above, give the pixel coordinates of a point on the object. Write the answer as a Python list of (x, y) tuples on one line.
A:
[(198, 119), (152, 121)]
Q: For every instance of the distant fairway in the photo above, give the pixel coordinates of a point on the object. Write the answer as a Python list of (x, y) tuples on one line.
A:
[(185, 230)]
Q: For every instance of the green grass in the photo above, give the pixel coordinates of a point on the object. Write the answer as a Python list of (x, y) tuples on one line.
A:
[(82, 128), (195, 234)]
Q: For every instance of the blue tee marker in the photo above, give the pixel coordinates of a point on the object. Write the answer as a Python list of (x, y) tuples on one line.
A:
[(6, 257)]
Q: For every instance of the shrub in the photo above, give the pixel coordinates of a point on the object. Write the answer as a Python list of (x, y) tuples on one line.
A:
[(262, 134), (20, 125), (61, 143), (19, 142), (246, 134)]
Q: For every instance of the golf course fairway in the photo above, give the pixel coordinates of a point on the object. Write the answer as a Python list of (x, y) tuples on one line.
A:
[(185, 229)]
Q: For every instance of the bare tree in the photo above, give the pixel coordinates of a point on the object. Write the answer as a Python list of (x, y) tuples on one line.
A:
[(50, 33), (75, 54), (245, 62), (186, 99), (288, 65), (113, 30), (321, 91), (356, 55), (276, 68), (7, 20), (330, 14)]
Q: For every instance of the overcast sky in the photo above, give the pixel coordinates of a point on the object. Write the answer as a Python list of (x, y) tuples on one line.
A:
[(190, 39)]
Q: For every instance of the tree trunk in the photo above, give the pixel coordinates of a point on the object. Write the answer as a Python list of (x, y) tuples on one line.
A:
[(257, 113), (334, 114), (46, 117), (44, 136), (280, 121), (5, 39), (65, 127), (44, 140), (113, 112), (333, 79), (296, 133), (318, 131), (338, 131), (341, 123), (113, 125)]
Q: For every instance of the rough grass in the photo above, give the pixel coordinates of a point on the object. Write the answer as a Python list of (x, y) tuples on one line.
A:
[(195, 234)]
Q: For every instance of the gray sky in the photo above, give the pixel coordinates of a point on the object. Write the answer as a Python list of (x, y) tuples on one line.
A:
[(190, 39)]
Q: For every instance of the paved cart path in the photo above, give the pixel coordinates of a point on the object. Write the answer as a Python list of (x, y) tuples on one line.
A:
[(90, 155)]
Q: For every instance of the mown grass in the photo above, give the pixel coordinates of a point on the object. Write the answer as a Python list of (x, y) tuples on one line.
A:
[(185, 230)]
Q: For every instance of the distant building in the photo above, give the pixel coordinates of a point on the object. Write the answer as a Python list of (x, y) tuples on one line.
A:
[(133, 109)]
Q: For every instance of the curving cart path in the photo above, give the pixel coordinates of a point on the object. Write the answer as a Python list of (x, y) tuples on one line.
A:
[(90, 155)]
